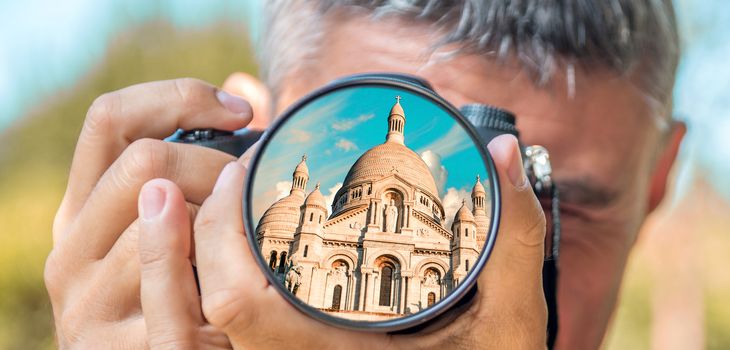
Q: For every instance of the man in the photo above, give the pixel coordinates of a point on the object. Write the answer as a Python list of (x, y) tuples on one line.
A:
[(590, 80)]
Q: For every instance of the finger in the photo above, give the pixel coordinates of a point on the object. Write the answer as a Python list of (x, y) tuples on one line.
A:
[(256, 93), (123, 263), (227, 270), (149, 110), (111, 208), (168, 292), (247, 156), (512, 279)]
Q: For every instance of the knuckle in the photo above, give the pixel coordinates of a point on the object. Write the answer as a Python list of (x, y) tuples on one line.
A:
[(144, 158), (190, 91), (177, 339), (70, 327), (53, 274), (153, 258), (204, 222), (534, 232), (224, 310), (102, 112)]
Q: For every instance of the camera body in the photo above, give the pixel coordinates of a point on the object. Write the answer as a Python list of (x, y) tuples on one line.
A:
[(488, 122)]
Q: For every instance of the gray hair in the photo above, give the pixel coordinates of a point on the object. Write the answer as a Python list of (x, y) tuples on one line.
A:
[(627, 36)]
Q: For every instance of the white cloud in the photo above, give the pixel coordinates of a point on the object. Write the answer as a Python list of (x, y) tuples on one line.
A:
[(330, 197), (346, 145), (282, 189), (298, 136), (347, 124), (452, 203), (439, 172)]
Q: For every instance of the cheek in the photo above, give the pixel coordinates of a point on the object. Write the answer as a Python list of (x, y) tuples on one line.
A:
[(592, 260)]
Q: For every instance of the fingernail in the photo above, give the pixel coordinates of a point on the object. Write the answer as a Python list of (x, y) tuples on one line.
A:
[(153, 201), (233, 103), (506, 147), (226, 175)]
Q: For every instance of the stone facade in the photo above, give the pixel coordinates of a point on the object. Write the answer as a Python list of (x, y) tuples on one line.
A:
[(384, 251)]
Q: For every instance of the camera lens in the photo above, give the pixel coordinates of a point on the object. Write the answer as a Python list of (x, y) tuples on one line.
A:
[(372, 204)]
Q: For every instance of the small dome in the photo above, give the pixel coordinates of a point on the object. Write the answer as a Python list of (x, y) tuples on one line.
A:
[(463, 214), (397, 108), (302, 166), (316, 198), (478, 188)]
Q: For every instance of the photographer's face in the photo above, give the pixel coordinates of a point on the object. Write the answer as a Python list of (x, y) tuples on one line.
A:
[(605, 147)]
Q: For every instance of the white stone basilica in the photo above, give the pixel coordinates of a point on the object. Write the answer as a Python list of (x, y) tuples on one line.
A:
[(384, 251)]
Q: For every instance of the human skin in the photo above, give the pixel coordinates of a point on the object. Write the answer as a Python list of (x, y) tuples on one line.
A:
[(609, 158)]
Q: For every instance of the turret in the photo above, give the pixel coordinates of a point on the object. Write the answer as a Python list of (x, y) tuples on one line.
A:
[(308, 241), (479, 199), (464, 251), (396, 123), (300, 177)]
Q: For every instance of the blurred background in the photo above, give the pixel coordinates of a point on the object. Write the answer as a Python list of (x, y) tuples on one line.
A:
[(55, 59)]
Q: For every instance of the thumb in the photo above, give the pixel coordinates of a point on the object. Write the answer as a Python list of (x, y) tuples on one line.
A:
[(512, 278), (256, 93)]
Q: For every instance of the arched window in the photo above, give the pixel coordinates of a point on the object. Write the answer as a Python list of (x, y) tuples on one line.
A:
[(272, 260), (320, 219), (336, 296), (306, 250), (466, 232), (467, 265), (282, 262), (431, 298), (311, 217), (386, 279)]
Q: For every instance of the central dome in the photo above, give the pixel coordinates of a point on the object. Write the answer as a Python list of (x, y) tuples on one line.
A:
[(388, 158)]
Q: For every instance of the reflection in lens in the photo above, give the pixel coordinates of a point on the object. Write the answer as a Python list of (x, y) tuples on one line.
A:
[(390, 228)]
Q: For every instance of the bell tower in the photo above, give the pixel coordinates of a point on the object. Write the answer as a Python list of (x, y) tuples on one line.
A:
[(396, 123), (300, 177)]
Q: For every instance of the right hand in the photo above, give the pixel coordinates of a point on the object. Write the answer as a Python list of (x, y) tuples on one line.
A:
[(509, 310), (93, 272)]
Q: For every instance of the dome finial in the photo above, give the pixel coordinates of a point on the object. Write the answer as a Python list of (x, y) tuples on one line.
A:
[(317, 187), (396, 123)]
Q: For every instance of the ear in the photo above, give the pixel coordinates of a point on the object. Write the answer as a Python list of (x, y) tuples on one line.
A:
[(256, 93), (664, 165)]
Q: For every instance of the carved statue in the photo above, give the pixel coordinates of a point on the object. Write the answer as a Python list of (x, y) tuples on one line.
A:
[(293, 279), (391, 216), (431, 277)]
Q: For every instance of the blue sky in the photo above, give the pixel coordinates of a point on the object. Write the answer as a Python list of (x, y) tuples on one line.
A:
[(337, 129), (48, 45)]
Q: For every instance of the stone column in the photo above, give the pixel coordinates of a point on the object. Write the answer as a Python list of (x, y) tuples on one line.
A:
[(371, 288), (361, 291), (402, 293)]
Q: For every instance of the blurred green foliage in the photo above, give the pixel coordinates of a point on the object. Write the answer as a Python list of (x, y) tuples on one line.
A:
[(35, 155)]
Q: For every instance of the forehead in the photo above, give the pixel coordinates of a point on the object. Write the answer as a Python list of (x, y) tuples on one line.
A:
[(596, 125)]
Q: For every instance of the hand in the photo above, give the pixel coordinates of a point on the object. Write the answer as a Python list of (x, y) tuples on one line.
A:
[(93, 271), (509, 310)]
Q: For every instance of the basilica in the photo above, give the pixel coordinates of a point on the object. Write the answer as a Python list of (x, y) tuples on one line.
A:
[(385, 250)]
